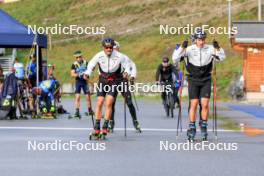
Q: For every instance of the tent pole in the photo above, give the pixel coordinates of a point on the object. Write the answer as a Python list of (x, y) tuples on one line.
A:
[(37, 55), (47, 62)]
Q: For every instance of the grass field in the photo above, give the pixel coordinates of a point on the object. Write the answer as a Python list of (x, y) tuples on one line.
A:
[(145, 47)]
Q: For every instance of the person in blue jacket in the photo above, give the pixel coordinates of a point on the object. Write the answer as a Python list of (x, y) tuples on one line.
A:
[(46, 90), (32, 71)]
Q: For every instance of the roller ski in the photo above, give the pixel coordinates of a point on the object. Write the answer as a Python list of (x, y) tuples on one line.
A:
[(204, 133), (104, 130), (98, 134), (89, 113), (137, 126), (103, 134), (95, 135), (191, 132), (76, 115), (48, 115)]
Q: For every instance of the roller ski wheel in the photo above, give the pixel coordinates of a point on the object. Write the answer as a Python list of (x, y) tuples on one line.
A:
[(137, 126), (191, 134), (75, 116), (78, 116), (204, 134), (104, 132), (95, 135), (204, 139)]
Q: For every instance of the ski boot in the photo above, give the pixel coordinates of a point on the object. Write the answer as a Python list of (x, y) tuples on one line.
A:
[(204, 130), (191, 132), (76, 114), (89, 112), (111, 126), (137, 126)]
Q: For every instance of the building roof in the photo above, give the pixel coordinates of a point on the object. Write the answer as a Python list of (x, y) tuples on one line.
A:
[(249, 31)]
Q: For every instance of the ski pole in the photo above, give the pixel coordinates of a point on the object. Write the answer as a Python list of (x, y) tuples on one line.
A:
[(179, 121), (215, 108), (125, 130), (214, 96), (92, 115), (134, 97), (135, 100)]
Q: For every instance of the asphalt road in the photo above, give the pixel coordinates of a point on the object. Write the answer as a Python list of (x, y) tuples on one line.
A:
[(137, 154)]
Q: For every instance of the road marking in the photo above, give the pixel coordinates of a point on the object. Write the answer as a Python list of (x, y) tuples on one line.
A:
[(86, 129)]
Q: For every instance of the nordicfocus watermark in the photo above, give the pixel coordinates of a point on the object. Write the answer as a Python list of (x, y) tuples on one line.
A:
[(137, 87), (58, 29), (197, 146), (59, 145), (190, 29)]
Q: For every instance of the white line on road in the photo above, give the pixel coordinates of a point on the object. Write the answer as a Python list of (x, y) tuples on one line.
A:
[(85, 129)]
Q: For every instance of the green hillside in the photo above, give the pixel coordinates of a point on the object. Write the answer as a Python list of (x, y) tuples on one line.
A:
[(145, 45)]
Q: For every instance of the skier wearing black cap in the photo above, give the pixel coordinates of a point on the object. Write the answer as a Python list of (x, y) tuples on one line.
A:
[(199, 59), (110, 63)]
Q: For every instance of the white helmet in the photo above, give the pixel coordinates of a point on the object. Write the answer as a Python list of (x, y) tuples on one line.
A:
[(116, 45)]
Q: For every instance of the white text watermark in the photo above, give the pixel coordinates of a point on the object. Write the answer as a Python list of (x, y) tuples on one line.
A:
[(190, 29), (73, 29), (59, 145), (197, 146)]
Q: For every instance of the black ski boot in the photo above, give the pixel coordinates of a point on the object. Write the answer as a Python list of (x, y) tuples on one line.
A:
[(111, 126), (90, 112), (137, 126), (191, 132), (204, 130), (77, 114), (96, 133)]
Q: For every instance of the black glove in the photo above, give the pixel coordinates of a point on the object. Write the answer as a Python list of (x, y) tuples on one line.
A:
[(216, 44), (216, 57), (184, 44), (182, 59)]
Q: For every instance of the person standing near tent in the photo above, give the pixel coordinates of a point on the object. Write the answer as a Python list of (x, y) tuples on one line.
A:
[(2, 78), (77, 71), (199, 64), (110, 64), (127, 94), (32, 71)]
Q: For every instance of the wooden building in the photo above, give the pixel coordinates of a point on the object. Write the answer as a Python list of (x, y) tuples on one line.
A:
[(250, 41)]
